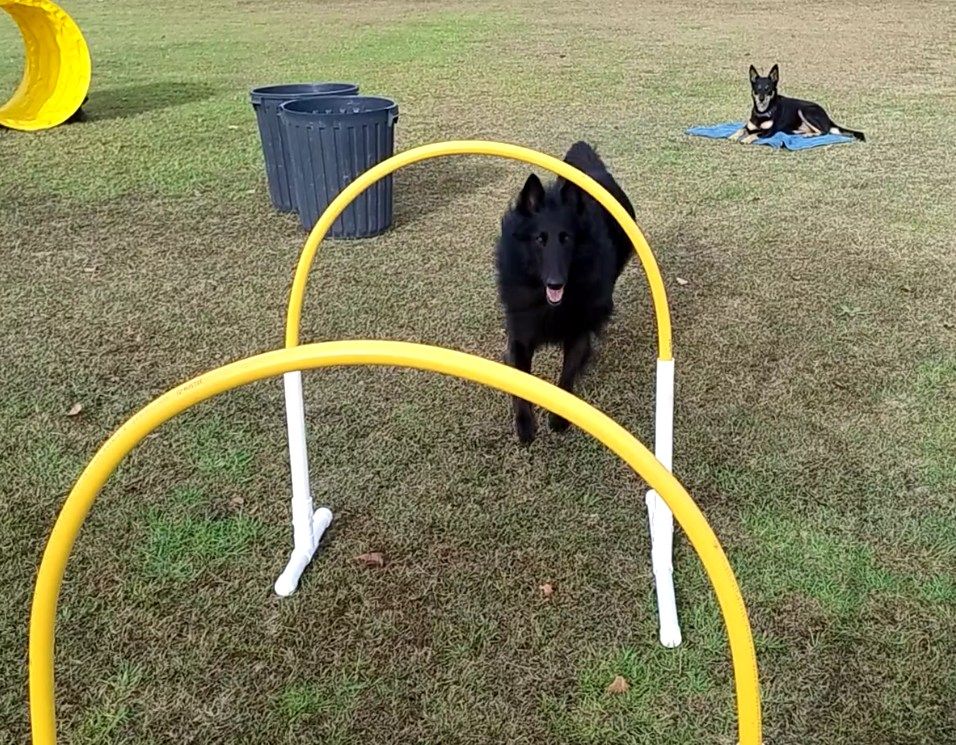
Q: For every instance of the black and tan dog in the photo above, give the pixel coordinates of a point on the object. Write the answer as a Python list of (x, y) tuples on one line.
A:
[(774, 113)]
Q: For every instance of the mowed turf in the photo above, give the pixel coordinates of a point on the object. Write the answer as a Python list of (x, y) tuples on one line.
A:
[(816, 363)]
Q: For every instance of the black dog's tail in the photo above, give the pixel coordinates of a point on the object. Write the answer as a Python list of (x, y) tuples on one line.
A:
[(584, 157), (852, 132)]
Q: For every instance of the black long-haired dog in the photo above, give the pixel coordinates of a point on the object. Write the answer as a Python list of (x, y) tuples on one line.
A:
[(558, 258)]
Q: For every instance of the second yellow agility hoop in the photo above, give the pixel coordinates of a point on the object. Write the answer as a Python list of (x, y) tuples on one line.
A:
[(309, 523), (82, 496)]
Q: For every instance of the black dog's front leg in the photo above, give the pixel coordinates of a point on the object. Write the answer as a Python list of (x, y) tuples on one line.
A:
[(577, 352), (520, 356)]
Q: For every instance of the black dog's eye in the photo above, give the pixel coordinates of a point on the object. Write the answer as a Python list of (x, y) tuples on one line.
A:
[(541, 238), (563, 237)]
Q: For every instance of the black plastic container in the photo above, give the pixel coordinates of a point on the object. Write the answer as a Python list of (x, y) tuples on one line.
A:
[(332, 140), (266, 102)]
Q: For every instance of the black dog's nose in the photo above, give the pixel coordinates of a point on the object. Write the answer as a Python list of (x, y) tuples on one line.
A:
[(555, 285)]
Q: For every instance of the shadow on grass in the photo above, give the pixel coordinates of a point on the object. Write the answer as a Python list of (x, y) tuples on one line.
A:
[(133, 100), (435, 185)]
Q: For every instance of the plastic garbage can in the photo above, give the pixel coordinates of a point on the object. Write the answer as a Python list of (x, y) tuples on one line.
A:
[(332, 140), (266, 102)]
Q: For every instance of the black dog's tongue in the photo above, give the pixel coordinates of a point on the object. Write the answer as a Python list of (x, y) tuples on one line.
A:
[(554, 295)]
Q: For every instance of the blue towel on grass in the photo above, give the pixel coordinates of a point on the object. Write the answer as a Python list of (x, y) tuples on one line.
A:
[(779, 140)]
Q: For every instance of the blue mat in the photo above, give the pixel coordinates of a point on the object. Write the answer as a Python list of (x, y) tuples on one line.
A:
[(779, 140)]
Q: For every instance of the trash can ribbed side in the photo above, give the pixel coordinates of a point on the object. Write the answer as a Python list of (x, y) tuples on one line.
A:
[(331, 142), (266, 102)]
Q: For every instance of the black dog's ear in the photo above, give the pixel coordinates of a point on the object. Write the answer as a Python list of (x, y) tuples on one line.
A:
[(774, 74), (572, 195), (532, 196), (753, 73)]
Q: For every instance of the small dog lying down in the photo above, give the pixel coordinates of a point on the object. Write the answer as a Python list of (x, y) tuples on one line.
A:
[(772, 113)]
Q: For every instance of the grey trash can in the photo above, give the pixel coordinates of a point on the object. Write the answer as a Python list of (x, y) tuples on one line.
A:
[(266, 102), (332, 140)]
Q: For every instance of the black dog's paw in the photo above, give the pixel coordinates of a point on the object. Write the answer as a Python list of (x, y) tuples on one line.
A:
[(525, 427), (557, 423)]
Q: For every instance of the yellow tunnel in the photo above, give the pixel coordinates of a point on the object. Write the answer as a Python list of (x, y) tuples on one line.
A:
[(56, 71)]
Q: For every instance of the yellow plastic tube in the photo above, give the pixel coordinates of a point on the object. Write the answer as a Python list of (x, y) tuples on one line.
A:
[(401, 354), (479, 147), (57, 67)]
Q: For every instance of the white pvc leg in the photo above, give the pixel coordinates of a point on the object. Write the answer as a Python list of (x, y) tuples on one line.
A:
[(660, 519), (307, 526)]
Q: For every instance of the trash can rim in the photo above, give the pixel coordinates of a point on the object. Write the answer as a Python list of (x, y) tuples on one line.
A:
[(300, 90), (305, 107)]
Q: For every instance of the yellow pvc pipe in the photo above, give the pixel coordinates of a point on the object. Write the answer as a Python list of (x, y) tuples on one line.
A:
[(479, 147), (57, 66), (418, 356)]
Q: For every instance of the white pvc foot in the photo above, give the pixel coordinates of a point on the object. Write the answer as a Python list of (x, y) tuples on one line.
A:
[(661, 523), (289, 579)]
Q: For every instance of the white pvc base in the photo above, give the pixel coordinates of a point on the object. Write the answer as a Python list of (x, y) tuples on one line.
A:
[(308, 524), (659, 517), (289, 579)]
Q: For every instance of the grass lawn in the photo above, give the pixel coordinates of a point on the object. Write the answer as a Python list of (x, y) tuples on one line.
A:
[(816, 364)]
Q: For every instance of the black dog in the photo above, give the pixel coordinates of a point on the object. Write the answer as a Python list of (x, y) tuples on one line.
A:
[(772, 113), (559, 257)]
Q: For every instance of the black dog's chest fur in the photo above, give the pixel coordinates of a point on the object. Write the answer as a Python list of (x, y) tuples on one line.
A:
[(586, 307), (588, 296), (783, 115)]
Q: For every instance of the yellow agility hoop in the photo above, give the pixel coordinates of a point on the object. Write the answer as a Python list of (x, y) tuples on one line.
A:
[(390, 353), (479, 147), (306, 521)]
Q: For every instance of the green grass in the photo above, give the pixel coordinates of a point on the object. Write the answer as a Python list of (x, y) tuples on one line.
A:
[(220, 451), (816, 359), (326, 707), (592, 715), (182, 549), (114, 707), (935, 397), (839, 572)]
